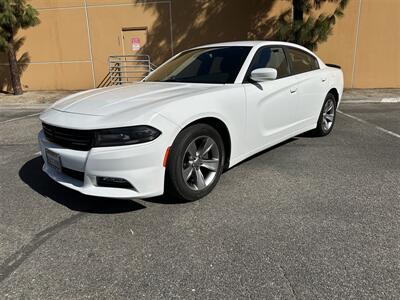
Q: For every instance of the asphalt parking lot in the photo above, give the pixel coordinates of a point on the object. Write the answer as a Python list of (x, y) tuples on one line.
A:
[(311, 218)]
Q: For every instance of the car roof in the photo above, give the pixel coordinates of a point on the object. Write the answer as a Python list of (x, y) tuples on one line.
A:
[(254, 44), (258, 44), (249, 44)]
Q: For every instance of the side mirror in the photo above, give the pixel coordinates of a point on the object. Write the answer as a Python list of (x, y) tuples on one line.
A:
[(264, 74)]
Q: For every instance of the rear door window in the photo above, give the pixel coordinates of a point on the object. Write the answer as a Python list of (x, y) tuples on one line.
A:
[(301, 61)]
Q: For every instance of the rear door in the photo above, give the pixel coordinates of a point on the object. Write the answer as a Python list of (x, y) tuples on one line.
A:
[(311, 85), (271, 105)]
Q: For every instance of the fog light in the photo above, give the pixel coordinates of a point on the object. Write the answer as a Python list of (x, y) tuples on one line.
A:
[(114, 182)]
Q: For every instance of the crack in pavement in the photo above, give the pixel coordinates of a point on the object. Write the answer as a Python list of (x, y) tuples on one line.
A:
[(16, 259), (18, 144), (288, 281), (19, 118)]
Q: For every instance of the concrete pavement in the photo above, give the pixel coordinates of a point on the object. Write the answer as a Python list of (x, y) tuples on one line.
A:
[(311, 218)]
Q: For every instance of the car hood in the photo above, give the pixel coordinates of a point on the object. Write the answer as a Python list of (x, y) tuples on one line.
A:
[(137, 96)]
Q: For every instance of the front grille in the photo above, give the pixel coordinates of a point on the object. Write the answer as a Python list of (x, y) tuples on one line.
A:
[(69, 138)]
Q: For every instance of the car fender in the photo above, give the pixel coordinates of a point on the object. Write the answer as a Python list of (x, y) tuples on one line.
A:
[(213, 105)]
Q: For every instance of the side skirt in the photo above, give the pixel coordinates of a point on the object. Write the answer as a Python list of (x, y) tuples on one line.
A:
[(237, 160)]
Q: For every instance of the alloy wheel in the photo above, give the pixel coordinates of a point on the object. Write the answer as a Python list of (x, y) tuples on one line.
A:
[(328, 115), (200, 163)]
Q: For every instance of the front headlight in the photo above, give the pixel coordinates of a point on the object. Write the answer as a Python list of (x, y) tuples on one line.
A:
[(125, 136)]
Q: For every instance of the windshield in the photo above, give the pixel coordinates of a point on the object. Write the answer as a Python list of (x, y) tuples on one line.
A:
[(205, 65)]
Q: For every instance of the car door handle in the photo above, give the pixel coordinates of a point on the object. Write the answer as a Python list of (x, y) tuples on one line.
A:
[(293, 90), (323, 79)]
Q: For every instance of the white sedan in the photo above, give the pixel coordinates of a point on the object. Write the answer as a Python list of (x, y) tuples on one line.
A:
[(198, 114)]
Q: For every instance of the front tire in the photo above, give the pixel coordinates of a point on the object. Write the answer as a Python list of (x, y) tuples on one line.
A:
[(327, 117), (195, 163)]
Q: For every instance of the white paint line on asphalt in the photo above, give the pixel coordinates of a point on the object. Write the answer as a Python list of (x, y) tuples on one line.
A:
[(20, 118), (360, 101), (383, 100), (368, 123), (390, 100)]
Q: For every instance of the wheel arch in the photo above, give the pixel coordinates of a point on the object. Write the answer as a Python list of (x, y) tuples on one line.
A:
[(222, 129), (335, 94)]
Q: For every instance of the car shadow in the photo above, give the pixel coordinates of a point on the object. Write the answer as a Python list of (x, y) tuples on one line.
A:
[(308, 134), (31, 173), (163, 199)]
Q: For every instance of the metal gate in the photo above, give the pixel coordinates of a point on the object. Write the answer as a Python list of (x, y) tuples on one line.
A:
[(129, 68)]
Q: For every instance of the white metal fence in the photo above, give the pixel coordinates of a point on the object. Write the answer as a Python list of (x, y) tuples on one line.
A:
[(129, 68)]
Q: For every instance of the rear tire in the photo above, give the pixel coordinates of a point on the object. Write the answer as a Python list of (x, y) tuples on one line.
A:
[(195, 163), (327, 117)]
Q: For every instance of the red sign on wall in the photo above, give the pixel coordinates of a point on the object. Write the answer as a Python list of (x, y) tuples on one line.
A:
[(136, 44)]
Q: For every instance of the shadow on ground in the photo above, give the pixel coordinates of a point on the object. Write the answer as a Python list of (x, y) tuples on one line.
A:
[(31, 173)]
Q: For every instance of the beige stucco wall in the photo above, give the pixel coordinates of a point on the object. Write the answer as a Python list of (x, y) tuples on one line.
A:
[(69, 49), (378, 50), (366, 43)]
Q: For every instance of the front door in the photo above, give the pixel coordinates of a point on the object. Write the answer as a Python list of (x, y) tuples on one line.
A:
[(271, 105)]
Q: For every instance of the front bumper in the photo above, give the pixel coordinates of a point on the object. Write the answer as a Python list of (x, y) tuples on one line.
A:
[(141, 165)]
